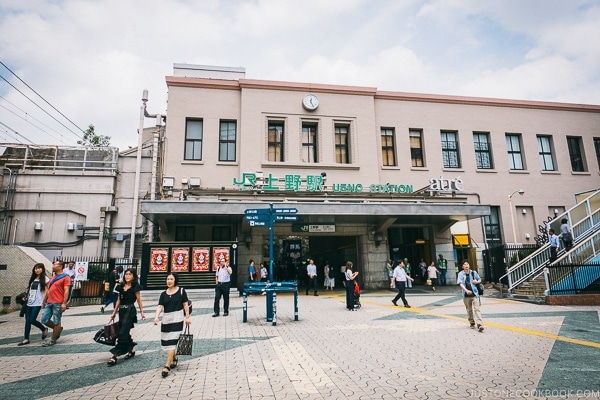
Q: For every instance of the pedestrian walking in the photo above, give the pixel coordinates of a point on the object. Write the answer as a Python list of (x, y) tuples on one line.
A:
[(432, 272), (554, 245), (128, 293), (111, 295), (55, 302), (399, 279), (311, 272), (468, 281), (173, 302), (407, 270), (442, 266), (35, 296)]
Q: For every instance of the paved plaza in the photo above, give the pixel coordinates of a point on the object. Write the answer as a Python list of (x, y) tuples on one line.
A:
[(378, 352)]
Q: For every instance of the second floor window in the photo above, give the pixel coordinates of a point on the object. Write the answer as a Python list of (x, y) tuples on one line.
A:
[(309, 143), (227, 138), (576, 153), (493, 234), (450, 149), (545, 151), (515, 157), (193, 140), (388, 154), (597, 147), (483, 156), (416, 147), (185, 234), (342, 144), (275, 141)]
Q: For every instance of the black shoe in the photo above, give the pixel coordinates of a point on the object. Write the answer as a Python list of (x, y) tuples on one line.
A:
[(215, 315), (129, 355), (393, 301), (174, 363), (112, 361), (316, 294), (24, 343), (225, 314), (165, 371), (406, 306)]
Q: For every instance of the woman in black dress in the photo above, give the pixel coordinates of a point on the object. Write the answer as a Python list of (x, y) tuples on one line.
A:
[(174, 303), (128, 293)]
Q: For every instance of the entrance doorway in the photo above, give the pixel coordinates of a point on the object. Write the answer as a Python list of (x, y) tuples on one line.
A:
[(333, 249)]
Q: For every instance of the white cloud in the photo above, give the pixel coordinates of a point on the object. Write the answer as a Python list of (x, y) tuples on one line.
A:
[(92, 58)]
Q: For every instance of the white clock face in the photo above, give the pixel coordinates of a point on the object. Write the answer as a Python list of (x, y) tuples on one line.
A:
[(310, 102)]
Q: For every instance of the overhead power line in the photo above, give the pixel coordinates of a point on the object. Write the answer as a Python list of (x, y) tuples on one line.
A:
[(31, 123), (46, 101)]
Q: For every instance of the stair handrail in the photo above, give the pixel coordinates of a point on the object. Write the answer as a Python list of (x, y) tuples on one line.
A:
[(587, 222)]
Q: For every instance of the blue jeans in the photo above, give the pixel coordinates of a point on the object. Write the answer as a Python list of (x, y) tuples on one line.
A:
[(31, 314), (443, 277), (111, 297)]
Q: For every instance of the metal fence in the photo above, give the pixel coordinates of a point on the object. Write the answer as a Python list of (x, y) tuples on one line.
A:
[(499, 259), (574, 279), (98, 270)]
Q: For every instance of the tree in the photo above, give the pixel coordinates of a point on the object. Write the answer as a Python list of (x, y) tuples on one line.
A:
[(90, 138)]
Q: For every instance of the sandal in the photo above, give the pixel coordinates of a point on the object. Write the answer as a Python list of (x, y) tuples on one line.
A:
[(174, 363), (129, 355), (165, 371), (112, 361)]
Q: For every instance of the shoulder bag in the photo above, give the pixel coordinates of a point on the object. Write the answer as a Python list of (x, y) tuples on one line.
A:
[(185, 342)]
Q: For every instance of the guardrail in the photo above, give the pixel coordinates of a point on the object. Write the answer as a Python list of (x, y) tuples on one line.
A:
[(270, 289)]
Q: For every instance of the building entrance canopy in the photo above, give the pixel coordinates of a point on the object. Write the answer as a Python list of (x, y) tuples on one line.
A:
[(384, 213)]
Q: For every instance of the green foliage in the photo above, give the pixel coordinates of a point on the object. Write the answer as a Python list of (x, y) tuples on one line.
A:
[(90, 138), (96, 273)]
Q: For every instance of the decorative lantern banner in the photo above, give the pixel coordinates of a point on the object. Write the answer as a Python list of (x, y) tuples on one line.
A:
[(220, 254), (180, 259), (159, 259), (201, 257)]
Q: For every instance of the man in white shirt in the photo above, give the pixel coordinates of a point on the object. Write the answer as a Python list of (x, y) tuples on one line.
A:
[(311, 271), (223, 281), (70, 270), (399, 277)]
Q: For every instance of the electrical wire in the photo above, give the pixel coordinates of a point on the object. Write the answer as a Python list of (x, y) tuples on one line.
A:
[(59, 138), (15, 134)]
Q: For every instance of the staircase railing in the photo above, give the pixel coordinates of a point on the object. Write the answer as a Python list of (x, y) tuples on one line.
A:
[(585, 219)]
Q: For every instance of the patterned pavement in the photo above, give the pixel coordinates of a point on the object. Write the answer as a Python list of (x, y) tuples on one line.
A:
[(527, 351)]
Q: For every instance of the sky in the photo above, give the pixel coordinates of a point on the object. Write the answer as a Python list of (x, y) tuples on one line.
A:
[(68, 64)]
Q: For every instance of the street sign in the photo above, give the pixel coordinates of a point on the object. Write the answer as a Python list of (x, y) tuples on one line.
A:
[(257, 217), (259, 223), (285, 210), (254, 211), (289, 218)]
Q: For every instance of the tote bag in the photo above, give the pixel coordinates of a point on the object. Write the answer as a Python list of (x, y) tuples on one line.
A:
[(185, 342)]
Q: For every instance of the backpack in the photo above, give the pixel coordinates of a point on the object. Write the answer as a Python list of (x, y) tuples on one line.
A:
[(480, 286)]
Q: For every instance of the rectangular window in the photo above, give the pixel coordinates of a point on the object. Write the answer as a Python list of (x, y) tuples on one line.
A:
[(221, 233), (450, 149), (388, 154), (227, 140), (597, 147), (416, 147), (483, 156), (513, 146), (492, 226), (185, 234), (576, 153), (309, 143), (276, 141), (545, 151), (342, 144), (193, 139)]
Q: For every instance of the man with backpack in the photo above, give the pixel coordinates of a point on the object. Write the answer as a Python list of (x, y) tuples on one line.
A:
[(468, 281)]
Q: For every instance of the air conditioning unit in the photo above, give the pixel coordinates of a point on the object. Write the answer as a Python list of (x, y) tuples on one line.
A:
[(168, 182), (194, 183), (71, 226)]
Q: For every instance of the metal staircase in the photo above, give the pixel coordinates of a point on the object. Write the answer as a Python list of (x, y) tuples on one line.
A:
[(585, 220)]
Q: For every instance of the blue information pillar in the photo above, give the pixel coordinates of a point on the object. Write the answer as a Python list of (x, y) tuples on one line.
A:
[(258, 217)]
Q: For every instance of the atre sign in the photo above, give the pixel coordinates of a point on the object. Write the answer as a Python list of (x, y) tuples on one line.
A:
[(446, 185)]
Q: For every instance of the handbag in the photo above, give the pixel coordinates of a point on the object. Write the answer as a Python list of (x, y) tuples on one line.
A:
[(108, 334), (428, 282), (185, 342)]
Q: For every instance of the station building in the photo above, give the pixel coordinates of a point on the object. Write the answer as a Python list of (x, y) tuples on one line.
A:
[(368, 176)]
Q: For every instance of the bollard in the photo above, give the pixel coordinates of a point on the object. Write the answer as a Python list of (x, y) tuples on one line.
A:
[(274, 308), (245, 308)]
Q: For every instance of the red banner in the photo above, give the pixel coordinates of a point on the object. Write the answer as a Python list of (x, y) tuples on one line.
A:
[(201, 259), (180, 259), (159, 259)]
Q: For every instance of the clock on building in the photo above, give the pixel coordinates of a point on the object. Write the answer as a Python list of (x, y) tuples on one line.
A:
[(310, 102)]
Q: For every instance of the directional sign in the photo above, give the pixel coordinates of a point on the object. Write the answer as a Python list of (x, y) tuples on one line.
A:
[(259, 223), (289, 218), (285, 210), (254, 211), (257, 217)]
